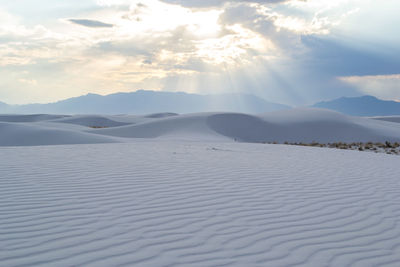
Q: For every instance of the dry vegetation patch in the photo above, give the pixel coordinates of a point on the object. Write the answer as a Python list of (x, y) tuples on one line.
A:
[(387, 147)]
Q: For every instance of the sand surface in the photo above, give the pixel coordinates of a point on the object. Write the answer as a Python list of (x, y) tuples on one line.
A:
[(297, 125), (190, 190), (164, 203)]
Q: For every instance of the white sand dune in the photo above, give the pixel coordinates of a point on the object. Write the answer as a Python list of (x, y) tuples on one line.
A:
[(12, 134), (161, 115), (159, 195), (297, 125), (190, 125), (157, 203), (388, 118), (92, 121), (29, 118), (306, 125)]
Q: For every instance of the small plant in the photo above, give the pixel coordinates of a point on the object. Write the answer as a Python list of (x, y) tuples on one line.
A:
[(98, 127), (380, 145)]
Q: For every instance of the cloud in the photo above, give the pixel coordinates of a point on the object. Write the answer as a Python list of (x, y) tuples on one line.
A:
[(28, 81), (91, 23), (22, 44), (216, 3), (285, 51), (382, 86), (235, 47)]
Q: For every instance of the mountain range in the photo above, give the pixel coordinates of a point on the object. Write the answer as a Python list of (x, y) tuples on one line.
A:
[(147, 102), (361, 106)]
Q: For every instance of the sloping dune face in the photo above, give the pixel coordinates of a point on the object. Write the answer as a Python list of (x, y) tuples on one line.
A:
[(198, 204), (161, 115), (298, 125), (92, 121), (29, 118), (243, 127), (182, 126), (12, 134), (302, 125), (388, 118)]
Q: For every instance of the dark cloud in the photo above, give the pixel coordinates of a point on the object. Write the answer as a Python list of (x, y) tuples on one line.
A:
[(338, 59), (91, 23)]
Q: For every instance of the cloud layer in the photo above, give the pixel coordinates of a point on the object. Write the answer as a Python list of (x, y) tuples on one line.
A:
[(216, 3), (294, 52)]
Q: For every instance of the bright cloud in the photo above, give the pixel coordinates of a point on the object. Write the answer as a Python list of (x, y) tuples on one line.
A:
[(287, 51)]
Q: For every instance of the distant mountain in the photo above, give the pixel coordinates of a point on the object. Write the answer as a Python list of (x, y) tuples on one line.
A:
[(362, 106), (146, 102), (4, 107)]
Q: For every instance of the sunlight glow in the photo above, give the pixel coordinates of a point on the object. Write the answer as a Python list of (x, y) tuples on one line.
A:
[(158, 17), (230, 48)]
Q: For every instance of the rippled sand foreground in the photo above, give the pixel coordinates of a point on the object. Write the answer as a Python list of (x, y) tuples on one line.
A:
[(158, 203)]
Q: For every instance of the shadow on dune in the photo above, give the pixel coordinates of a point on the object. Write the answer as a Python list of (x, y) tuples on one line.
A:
[(91, 121), (161, 115), (243, 127), (247, 128)]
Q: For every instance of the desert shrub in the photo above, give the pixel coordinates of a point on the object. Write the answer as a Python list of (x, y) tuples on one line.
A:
[(369, 145), (98, 127)]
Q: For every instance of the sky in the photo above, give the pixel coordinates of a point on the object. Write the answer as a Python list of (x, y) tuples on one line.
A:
[(294, 52)]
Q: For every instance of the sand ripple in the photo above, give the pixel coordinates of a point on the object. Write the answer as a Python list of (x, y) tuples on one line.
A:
[(186, 204)]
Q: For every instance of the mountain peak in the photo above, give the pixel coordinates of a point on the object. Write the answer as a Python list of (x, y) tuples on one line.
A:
[(366, 105)]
